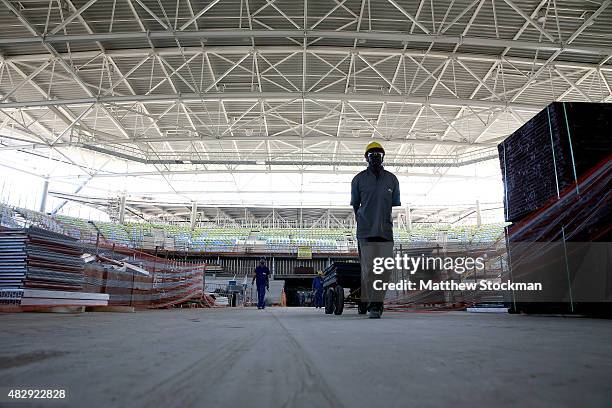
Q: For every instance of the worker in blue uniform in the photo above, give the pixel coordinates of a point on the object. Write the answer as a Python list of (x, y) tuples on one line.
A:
[(374, 191), (262, 277), (317, 288)]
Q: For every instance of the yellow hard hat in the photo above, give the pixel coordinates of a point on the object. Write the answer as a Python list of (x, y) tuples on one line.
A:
[(320, 273), (373, 145)]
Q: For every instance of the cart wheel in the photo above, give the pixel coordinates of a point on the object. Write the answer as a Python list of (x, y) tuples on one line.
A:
[(362, 307), (329, 301), (339, 300)]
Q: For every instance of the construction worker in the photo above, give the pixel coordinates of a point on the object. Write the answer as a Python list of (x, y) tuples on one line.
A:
[(262, 277), (374, 192), (317, 288)]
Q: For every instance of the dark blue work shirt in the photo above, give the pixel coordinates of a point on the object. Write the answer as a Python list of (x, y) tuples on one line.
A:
[(317, 283), (375, 196), (261, 275)]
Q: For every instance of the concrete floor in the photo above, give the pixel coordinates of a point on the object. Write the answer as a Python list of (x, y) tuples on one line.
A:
[(295, 357)]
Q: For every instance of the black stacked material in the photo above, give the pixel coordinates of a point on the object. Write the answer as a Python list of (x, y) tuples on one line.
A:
[(547, 156), (583, 217), (346, 274), (527, 168), (557, 172), (36, 258)]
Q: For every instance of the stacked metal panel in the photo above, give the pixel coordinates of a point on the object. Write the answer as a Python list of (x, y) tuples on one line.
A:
[(39, 268), (345, 273), (36, 298), (557, 172), (36, 258), (546, 157)]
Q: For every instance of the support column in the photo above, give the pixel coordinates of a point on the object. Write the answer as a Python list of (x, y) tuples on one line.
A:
[(478, 214), (408, 218), (43, 198), (194, 213), (122, 209)]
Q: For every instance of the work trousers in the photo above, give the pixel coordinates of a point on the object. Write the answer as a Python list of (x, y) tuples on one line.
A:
[(368, 251), (261, 296), (318, 298)]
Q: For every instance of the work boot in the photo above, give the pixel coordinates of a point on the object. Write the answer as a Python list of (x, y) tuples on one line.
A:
[(375, 311)]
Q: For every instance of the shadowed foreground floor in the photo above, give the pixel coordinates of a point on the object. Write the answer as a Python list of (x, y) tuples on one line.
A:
[(298, 357)]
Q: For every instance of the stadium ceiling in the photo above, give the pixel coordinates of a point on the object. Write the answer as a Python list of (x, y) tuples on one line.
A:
[(278, 85), (332, 216)]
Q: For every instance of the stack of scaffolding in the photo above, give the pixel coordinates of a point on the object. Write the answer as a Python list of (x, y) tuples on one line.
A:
[(132, 278), (557, 173), (39, 268), (42, 268), (348, 270), (37, 258)]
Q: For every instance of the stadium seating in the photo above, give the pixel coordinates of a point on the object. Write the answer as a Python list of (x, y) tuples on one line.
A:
[(237, 239)]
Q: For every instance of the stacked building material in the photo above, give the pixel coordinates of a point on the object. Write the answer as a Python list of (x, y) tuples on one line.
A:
[(352, 269), (36, 258), (39, 268), (551, 152), (176, 282), (346, 274), (557, 173), (50, 298), (123, 286), (133, 278), (572, 217)]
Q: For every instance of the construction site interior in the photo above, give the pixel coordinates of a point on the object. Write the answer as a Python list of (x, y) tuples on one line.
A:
[(311, 203)]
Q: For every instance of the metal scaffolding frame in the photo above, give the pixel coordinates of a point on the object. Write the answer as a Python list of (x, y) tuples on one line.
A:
[(253, 217), (291, 87)]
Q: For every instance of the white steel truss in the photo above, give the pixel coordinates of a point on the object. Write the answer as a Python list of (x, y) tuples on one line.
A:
[(288, 86)]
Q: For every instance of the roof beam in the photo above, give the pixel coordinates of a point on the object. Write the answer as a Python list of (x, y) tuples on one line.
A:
[(402, 172), (76, 14), (529, 20), (301, 34), (25, 80), (410, 17), (276, 96), (34, 145), (295, 139), (67, 67), (290, 50), (199, 14), (588, 22)]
